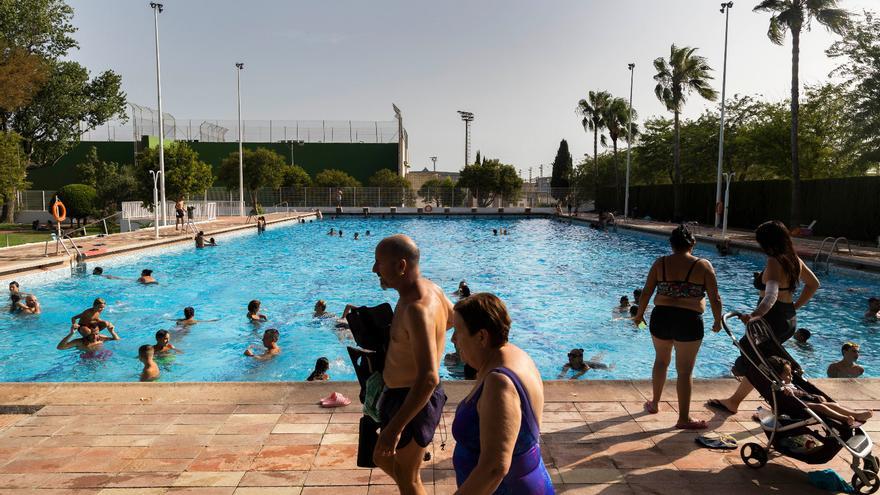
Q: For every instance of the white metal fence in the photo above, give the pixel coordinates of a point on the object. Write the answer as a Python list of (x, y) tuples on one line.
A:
[(200, 210)]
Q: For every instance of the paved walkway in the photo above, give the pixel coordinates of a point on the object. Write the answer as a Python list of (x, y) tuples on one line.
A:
[(270, 438), (32, 257)]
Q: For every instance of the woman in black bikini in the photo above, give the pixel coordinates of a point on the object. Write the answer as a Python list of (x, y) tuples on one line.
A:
[(682, 280), (776, 284)]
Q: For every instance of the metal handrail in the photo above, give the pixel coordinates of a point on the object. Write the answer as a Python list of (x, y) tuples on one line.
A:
[(285, 203), (83, 227), (831, 251), (821, 247)]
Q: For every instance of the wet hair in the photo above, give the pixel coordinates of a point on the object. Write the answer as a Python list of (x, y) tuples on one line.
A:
[(576, 352), (201, 233), (146, 273), (98, 271), (485, 311), (272, 334), (803, 331), (161, 334), (98, 301), (145, 351), (189, 312), (633, 310), (13, 284), (778, 364), (637, 294), (400, 247), (873, 300), (321, 367), (465, 291), (624, 299), (849, 346), (774, 239), (253, 306), (321, 304), (681, 239)]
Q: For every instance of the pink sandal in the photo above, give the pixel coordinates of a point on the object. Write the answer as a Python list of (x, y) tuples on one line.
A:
[(335, 400)]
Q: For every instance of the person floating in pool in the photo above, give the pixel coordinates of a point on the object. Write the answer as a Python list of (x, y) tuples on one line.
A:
[(637, 295), (494, 231), (463, 290), (577, 364), (254, 314), (367, 233), (146, 277), (189, 317), (320, 372), (356, 236), (150, 373), (90, 338), (802, 335), (321, 310), (270, 342), (847, 367), (623, 305), (30, 306), (340, 233), (212, 242), (873, 312), (92, 316), (332, 231), (98, 271)]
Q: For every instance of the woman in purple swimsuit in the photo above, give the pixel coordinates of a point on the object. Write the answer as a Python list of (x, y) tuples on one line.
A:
[(496, 427)]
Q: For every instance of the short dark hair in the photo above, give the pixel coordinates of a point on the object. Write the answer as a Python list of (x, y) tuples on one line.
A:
[(161, 334), (848, 346), (189, 312), (633, 310), (145, 350), (465, 291), (681, 239), (778, 364), (98, 271), (146, 272), (272, 333), (805, 332), (253, 305), (485, 311), (873, 300), (14, 283)]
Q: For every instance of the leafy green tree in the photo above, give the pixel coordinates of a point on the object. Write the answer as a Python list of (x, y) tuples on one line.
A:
[(479, 160), (395, 189), (489, 180), (80, 200), (113, 182), (682, 73), (13, 172), (617, 121), (297, 176), (335, 178), (22, 73), (261, 168), (68, 101), (442, 192), (592, 109), (387, 178), (795, 16), (185, 174), (562, 169)]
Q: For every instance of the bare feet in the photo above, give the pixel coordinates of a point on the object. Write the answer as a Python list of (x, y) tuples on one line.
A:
[(651, 406), (863, 416), (722, 405)]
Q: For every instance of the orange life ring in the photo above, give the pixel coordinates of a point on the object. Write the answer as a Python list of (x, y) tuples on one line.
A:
[(429, 208), (719, 207), (59, 211)]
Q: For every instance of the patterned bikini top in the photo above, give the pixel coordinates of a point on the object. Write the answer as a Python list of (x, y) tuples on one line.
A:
[(680, 288)]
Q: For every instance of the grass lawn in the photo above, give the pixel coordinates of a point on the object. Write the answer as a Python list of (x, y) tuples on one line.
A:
[(13, 234)]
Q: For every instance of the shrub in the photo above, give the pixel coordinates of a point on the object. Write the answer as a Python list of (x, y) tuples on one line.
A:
[(80, 200)]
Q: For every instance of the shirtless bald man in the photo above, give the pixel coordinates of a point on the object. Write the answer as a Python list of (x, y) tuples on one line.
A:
[(412, 402)]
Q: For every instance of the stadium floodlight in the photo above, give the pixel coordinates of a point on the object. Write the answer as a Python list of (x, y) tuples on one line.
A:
[(238, 68), (157, 9), (725, 9), (467, 117), (434, 159)]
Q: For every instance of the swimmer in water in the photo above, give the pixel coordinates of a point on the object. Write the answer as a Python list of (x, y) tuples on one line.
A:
[(270, 342), (321, 310), (150, 373), (91, 315), (356, 236), (90, 338), (146, 277), (332, 231), (320, 371), (253, 314), (873, 312), (189, 317), (30, 306), (577, 364), (98, 271), (163, 343)]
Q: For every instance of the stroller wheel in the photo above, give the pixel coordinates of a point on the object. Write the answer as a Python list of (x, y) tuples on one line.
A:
[(870, 485), (871, 463), (754, 455)]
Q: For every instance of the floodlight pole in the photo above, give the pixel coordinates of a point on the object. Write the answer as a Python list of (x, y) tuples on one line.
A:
[(629, 138), (728, 178), (157, 9), (467, 117), (155, 175), (725, 9), (238, 68), (434, 159)]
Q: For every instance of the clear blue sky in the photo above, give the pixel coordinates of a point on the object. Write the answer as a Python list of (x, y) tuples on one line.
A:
[(520, 66)]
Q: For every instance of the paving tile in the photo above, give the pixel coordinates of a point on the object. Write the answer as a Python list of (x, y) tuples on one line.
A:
[(227, 440), (158, 465), (591, 475), (209, 478), (202, 490), (299, 428), (336, 457), (245, 429), (123, 440), (73, 480), (304, 418), (201, 419), (132, 491), (84, 463), (342, 428), (138, 429), (253, 418), (294, 439), (259, 409), (285, 458), (346, 417), (336, 490), (142, 480), (210, 409), (189, 429), (334, 477), (339, 438), (311, 409), (237, 458), (154, 452), (181, 440), (273, 478)]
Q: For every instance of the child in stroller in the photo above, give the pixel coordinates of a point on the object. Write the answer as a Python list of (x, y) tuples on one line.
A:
[(817, 403)]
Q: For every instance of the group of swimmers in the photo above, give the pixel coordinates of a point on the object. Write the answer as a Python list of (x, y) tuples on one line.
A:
[(339, 233)]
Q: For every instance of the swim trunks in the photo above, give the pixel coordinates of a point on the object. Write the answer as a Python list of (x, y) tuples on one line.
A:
[(422, 427)]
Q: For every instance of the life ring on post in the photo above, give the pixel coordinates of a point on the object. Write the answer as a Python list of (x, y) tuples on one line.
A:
[(719, 207), (429, 208), (59, 211)]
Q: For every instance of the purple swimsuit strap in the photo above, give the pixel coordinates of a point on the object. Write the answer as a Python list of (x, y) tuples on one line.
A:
[(525, 404)]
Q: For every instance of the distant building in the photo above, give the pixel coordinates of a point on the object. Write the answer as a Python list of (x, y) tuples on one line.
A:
[(418, 179)]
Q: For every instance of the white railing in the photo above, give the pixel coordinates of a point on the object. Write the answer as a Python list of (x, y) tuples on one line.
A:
[(201, 210)]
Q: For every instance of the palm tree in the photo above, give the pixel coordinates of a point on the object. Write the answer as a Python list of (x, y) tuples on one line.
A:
[(617, 122), (795, 16), (682, 73), (593, 110)]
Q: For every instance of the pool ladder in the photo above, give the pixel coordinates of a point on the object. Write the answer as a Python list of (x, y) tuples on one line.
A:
[(834, 241)]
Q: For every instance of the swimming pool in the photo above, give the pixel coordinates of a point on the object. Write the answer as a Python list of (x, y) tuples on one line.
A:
[(559, 281)]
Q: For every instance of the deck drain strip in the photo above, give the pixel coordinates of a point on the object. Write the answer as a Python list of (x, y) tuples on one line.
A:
[(25, 409)]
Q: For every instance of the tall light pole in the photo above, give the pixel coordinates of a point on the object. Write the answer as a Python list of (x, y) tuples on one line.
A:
[(155, 175), (434, 159), (238, 68), (725, 9), (467, 117), (728, 178), (629, 138), (157, 9)]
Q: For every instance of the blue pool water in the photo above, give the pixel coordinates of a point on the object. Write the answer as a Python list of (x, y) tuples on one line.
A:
[(560, 283)]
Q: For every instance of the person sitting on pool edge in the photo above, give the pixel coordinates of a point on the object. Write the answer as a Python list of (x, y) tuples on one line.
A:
[(150, 373), (576, 363), (90, 338), (320, 371), (254, 314), (847, 367), (270, 341), (146, 277), (873, 312)]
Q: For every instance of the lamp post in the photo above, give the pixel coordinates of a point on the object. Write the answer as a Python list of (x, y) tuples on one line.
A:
[(725, 9), (155, 175), (157, 9), (434, 159), (629, 138), (238, 68), (728, 178), (467, 117)]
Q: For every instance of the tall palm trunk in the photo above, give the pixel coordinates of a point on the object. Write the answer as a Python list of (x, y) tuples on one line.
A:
[(676, 164), (795, 109), (596, 168)]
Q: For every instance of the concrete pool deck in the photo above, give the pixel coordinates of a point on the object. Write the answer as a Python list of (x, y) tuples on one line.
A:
[(271, 438)]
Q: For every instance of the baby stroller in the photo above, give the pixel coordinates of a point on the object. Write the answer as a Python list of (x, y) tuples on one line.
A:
[(792, 428)]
